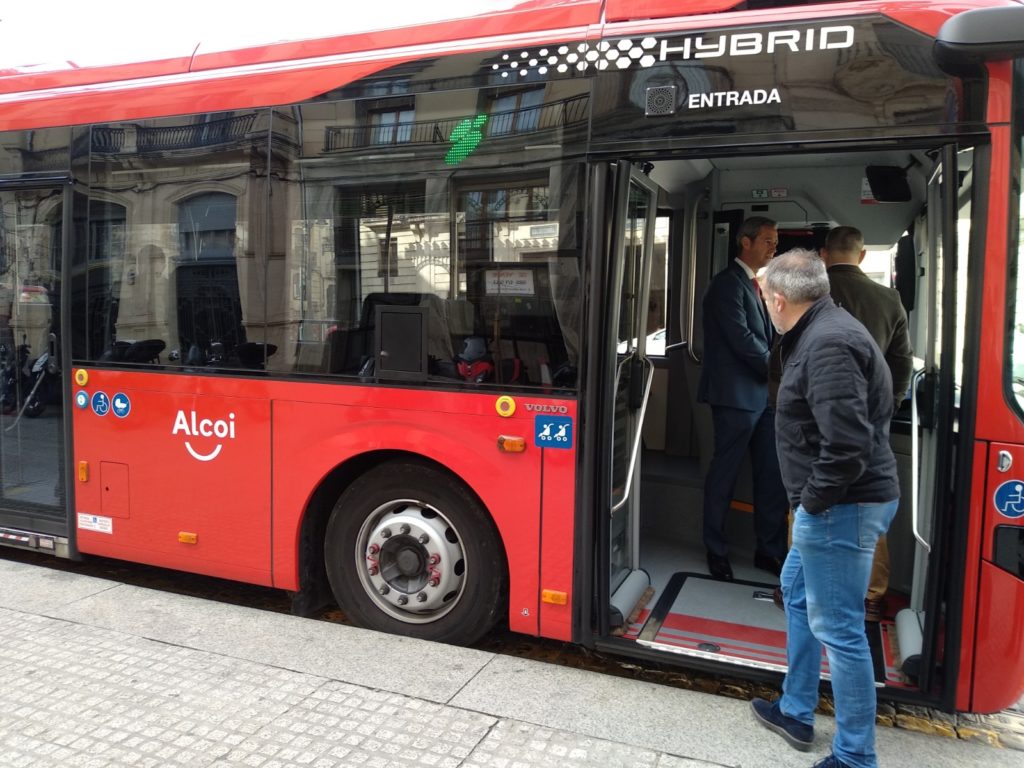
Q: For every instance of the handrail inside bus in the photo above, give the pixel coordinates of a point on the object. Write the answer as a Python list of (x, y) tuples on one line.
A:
[(639, 431), (691, 281), (915, 460)]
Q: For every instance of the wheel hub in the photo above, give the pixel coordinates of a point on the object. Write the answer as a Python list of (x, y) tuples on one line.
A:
[(413, 565)]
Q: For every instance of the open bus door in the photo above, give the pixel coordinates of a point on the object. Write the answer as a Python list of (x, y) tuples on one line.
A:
[(631, 244), (35, 230), (933, 420)]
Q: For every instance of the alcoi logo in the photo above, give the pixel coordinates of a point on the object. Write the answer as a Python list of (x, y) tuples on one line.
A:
[(192, 426)]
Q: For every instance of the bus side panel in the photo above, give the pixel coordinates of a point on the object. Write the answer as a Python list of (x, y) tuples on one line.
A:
[(999, 644), (999, 673), (310, 440), (557, 538), (172, 478)]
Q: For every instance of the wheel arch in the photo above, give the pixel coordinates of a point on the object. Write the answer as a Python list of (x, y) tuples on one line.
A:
[(314, 591)]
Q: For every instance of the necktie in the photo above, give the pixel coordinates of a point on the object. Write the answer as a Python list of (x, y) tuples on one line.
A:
[(764, 309)]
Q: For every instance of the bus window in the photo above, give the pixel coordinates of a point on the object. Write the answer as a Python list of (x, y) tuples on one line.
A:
[(170, 273), (432, 220), (658, 303)]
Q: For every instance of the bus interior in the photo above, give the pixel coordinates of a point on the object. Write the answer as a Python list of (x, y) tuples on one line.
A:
[(660, 594)]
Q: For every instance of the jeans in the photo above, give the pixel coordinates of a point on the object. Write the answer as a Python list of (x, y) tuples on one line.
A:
[(824, 581)]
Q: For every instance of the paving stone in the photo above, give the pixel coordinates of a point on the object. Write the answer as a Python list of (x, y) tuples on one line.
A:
[(520, 745), (99, 696)]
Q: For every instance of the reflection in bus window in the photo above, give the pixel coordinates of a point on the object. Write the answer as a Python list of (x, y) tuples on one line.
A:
[(488, 257), (170, 274)]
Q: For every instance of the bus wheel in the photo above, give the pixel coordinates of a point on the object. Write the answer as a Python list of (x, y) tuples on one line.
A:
[(410, 551)]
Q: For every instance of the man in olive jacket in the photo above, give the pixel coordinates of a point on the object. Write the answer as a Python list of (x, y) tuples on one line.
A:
[(880, 310), (832, 432)]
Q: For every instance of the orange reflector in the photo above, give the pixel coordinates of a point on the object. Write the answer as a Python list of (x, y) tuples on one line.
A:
[(554, 597), (83, 471), (511, 444), (185, 537)]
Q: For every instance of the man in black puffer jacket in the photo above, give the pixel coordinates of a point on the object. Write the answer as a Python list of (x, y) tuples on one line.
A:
[(832, 432)]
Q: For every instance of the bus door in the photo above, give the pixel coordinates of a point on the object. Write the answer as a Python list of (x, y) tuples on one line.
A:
[(933, 413), (34, 232), (631, 244)]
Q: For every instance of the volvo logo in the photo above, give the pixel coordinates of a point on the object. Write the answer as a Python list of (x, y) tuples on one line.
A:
[(540, 408), (192, 426)]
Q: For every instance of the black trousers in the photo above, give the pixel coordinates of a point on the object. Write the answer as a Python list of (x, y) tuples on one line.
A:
[(736, 431)]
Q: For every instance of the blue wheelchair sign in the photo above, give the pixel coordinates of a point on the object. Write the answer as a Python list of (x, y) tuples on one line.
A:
[(100, 403), (1009, 498)]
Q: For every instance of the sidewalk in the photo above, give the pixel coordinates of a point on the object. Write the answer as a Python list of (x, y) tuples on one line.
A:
[(96, 673)]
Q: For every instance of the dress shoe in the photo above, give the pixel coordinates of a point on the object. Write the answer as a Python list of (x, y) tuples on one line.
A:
[(777, 599), (830, 762), (718, 566), (768, 563), (874, 610), (799, 735)]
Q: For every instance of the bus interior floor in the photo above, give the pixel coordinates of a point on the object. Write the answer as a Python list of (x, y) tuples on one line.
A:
[(692, 614)]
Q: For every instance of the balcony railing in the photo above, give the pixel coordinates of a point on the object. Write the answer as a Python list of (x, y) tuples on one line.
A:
[(111, 141), (224, 131), (107, 140), (517, 122)]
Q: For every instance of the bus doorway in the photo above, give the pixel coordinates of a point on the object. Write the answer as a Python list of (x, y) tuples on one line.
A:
[(631, 249), (33, 512), (658, 437)]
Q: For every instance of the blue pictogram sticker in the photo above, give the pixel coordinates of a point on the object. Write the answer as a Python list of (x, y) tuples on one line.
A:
[(82, 398), (122, 405), (100, 403), (1009, 498), (552, 431)]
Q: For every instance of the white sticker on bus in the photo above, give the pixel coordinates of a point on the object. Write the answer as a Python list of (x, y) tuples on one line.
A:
[(95, 523)]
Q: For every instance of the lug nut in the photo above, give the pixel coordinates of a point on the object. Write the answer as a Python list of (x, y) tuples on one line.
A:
[(374, 570), (373, 549), (434, 559), (385, 533), (405, 528), (384, 589), (421, 597), (402, 600), (424, 538)]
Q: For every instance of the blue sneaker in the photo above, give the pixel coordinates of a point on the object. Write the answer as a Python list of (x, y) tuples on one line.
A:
[(799, 735), (830, 762)]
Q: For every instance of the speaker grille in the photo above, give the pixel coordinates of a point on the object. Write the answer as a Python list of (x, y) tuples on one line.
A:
[(661, 100)]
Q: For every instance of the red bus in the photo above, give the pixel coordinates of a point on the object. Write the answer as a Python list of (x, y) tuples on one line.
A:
[(406, 316)]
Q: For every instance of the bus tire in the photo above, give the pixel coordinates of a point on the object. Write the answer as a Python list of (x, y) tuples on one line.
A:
[(409, 550)]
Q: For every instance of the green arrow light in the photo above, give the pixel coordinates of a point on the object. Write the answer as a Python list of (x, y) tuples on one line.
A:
[(465, 138)]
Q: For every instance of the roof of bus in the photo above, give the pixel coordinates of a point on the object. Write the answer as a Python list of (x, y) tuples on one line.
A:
[(82, 63), (129, 40)]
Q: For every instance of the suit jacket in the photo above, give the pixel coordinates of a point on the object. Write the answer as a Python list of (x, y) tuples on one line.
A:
[(880, 310), (737, 339)]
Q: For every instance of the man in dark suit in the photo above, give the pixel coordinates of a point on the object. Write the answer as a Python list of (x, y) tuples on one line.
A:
[(880, 310), (734, 382)]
